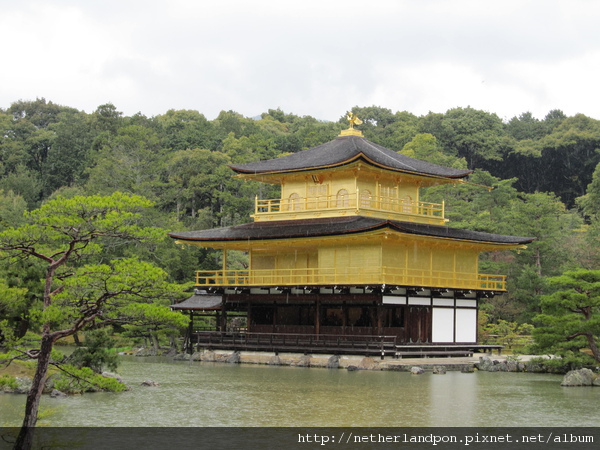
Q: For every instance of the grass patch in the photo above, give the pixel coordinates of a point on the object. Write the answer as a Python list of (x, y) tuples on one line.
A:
[(9, 381), (18, 369)]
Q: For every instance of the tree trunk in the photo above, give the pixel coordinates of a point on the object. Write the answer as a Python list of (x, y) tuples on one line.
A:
[(155, 343), (76, 339), (25, 438), (22, 328), (593, 346)]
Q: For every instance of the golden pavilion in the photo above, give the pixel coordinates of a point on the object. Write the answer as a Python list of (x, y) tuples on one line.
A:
[(347, 260)]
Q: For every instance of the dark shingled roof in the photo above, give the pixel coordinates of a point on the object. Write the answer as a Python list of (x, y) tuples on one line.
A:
[(286, 229), (200, 300), (345, 149)]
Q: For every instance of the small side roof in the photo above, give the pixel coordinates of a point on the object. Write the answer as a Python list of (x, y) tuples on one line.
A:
[(201, 300), (344, 150)]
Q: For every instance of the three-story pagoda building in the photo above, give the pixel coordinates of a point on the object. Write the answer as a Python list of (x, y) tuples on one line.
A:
[(348, 259)]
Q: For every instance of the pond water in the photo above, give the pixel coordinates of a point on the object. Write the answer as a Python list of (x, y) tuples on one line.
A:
[(193, 394)]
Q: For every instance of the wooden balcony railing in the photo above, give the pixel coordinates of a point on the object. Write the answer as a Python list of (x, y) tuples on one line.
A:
[(324, 343), (342, 204), (350, 276)]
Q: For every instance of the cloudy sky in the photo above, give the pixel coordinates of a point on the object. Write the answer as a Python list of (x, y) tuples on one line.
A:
[(310, 57)]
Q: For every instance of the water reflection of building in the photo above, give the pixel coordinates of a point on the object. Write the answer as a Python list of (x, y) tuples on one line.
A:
[(348, 259)]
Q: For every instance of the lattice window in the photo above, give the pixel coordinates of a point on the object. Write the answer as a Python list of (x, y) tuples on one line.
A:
[(365, 198), (389, 196), (294, 202), (407, 204), (317, 196), (342, 199)]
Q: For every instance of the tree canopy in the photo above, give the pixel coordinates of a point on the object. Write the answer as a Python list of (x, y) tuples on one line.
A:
[(81, 288), (531, 176), (541, 168), (570, 318)]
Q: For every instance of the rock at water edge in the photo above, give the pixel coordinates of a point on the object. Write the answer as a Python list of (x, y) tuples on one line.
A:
[(581, 377), (333, 362), (275, 360), (368, 363), (116, 376), (234, 358), (56, 393), (304, 361)]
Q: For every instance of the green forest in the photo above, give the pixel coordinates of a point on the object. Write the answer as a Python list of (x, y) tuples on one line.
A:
[(531, 177)]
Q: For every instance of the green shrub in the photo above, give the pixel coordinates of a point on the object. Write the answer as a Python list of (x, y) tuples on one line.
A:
[(510, 334), (560, 365), (97, 352), (84, 379), (7, 381)]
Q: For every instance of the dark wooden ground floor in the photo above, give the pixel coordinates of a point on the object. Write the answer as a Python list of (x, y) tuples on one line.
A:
[(338, 323), (319, 315)]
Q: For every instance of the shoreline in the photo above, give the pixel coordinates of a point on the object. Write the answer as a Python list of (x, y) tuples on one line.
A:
[(505, 363), (416, 366)]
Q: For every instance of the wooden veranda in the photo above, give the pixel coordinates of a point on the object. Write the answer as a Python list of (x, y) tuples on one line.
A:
[(366, 345)]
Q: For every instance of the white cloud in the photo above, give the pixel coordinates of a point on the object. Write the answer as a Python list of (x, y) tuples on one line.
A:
[(569, 84), (311, 57)]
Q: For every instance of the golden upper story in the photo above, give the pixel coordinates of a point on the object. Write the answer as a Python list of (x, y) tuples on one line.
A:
[(356, 189), (350, 214), (349, 176)]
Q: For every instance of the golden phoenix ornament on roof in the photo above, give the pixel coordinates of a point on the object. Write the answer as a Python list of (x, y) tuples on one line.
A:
[(353, 119)]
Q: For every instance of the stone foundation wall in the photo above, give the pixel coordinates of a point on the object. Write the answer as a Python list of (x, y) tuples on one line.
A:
[(323, 361)]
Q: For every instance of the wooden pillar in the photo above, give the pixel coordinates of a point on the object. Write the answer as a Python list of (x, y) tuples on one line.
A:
[(190, 344), (249, 318), (317, 316), (224, 316)]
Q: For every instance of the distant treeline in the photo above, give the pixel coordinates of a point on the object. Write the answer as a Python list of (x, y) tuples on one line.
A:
[(542, 172), (45, 146)]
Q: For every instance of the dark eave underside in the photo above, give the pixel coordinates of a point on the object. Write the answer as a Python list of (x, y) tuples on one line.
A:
[(342, 150), (290, 229)]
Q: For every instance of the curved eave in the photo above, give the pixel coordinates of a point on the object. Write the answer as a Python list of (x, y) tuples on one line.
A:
[(453, 234), (481, 244), (342, 151), (309, 229), (243, 244), (220, 242), (252, 174)]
